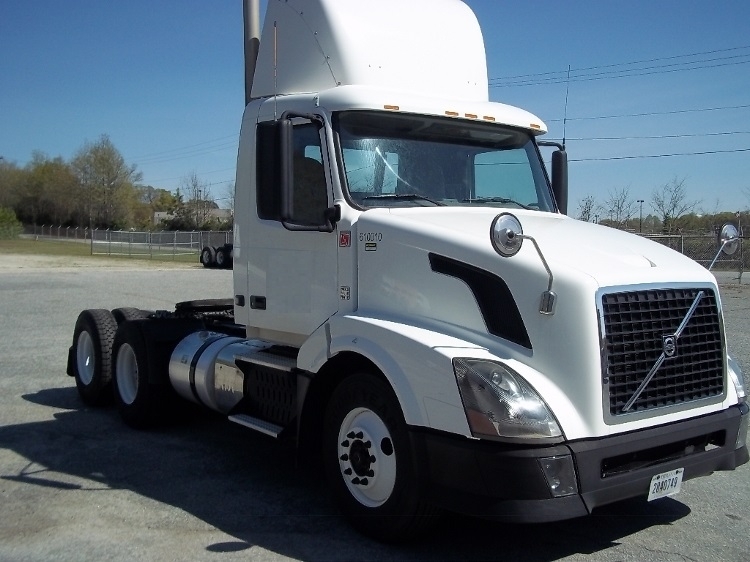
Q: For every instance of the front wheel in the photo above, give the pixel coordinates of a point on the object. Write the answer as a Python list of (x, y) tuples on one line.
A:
[(368, 462)]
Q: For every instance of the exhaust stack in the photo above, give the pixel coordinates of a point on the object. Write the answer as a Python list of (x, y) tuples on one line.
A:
[(251, 17)]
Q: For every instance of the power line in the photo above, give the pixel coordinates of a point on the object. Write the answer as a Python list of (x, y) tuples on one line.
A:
[(620, 74), (190, 154), (203, 174), (585, 74), (644, 61), (638, 157), (657, 137), (652, 113), (190, 146)]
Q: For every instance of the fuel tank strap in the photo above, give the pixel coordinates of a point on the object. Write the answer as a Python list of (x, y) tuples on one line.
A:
[(194, 364)]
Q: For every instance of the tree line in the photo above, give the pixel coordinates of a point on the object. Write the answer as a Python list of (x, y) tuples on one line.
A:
[(97, 188), (668, 211)]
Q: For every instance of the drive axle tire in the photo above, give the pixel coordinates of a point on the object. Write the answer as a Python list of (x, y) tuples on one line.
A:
[(93, 336), (223, 257), (138, 400), (368, 462), (208, 256), (129, 313)]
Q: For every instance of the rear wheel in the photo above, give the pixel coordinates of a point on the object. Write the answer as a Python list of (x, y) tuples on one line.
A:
[(138, 400), (208, 256), (129, 313), (368, 462), (93, 336), (223, 257)]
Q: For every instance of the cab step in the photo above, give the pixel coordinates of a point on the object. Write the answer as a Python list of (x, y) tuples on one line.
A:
[(257, 424)]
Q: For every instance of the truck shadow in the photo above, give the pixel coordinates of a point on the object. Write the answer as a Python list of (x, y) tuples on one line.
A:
[(255, 490)]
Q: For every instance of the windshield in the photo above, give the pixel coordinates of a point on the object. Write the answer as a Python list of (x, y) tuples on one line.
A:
[(397, 160)]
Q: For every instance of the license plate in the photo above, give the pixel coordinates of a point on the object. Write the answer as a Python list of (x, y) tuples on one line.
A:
[(665, 484)]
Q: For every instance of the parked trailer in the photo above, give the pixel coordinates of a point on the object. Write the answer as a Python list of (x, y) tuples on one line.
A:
[(411, 304), (220, 257)]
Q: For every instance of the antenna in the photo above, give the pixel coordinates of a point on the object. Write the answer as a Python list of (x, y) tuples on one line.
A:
[(275, 74), (565, 116)]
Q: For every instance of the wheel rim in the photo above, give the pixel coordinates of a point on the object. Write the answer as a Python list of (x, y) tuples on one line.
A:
[(205, 257), (367, 458), (85, 357), (127, 374)]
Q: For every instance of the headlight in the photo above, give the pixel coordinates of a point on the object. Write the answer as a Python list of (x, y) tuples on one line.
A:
[(500, 403), (738, 378)]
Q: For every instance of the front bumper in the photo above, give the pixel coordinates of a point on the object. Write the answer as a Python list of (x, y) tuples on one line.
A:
[(489, 479)]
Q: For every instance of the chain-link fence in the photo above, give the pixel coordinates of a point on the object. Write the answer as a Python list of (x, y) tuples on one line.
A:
[(56, 231), (161, 244), (155, 244), (701, 248)]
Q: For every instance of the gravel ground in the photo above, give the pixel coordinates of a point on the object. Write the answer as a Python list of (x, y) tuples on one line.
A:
[(76, 484), (31, 262)]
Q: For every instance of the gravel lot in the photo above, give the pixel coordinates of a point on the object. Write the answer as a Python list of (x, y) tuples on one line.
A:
[(76, 484)]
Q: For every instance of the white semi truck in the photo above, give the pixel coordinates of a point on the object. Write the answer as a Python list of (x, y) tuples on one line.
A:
[(413, 307)]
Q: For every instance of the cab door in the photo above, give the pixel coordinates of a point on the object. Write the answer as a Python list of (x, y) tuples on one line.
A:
[(292, 273)]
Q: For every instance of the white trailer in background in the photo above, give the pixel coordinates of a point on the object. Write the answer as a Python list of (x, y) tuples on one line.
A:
[(411, 304)]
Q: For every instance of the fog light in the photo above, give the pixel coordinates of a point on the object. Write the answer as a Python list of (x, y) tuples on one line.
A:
[(560, 474), (742, 434)]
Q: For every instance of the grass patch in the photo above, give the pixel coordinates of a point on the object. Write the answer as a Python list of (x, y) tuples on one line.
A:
[(63, 248)]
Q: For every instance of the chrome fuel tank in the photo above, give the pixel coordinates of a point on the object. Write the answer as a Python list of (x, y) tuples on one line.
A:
[(202, 369)]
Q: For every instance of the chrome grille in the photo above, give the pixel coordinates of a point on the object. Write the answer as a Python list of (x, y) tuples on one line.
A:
[(635, 326)]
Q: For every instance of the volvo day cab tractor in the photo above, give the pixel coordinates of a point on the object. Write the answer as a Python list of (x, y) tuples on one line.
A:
[(411, 303)]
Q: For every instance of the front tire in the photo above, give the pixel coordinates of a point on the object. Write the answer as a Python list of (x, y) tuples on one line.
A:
[(368, 461), (93, 336)]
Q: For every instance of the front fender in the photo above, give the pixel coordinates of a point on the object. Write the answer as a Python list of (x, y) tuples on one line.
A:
[(416, 361)]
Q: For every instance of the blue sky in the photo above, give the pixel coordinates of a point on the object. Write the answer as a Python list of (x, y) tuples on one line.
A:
[(164, 80)]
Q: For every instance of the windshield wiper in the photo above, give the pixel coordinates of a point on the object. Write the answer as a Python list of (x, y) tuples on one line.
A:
[(404, 197), (496, 200)]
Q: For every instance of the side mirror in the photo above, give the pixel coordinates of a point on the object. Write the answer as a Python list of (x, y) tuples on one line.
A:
[(729, 240), (560, 179), (285, 148), (559, 175)]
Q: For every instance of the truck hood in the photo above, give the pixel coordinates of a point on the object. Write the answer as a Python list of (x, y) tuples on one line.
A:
[(608, 256), (427, 267)]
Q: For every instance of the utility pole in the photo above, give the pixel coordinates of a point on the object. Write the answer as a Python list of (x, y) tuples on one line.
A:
[(198, 216), (640, 216)]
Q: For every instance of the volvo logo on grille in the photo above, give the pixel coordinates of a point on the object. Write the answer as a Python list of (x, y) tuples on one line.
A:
[(669, 350), (669, 345)]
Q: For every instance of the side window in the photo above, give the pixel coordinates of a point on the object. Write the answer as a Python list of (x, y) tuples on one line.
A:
[(310, 191), (310, 197)]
